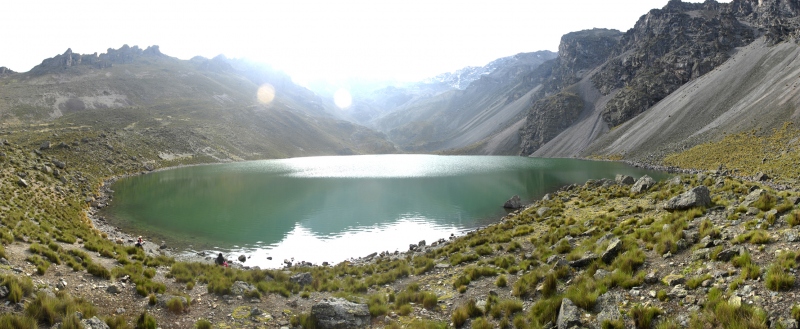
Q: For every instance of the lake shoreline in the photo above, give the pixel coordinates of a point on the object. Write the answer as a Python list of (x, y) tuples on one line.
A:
[(184, 250)]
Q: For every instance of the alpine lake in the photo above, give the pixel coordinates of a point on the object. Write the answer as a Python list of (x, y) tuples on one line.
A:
[(333, 208)]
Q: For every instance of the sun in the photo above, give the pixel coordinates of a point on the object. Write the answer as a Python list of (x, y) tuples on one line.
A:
[(342, 98)]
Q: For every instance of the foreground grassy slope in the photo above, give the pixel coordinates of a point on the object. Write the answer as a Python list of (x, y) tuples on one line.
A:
[(731, 255)]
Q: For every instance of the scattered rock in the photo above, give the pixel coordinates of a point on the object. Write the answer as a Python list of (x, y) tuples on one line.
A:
[(624, 180), (113, 289), (761, 177), (303, 279), (696, 197), (673, 279), (59, 164), (644, 183), (3, 292), (542, 211), (752, 197), (242, 258), (240, 288), (584, 261), (94, 323), (22, 182), (701, 254), (728, 254), (45, 145), (606, 307), (513, 203), (613, 249), (163, 299), (678, 291), (421, 243), (568, 315), (338, 313)]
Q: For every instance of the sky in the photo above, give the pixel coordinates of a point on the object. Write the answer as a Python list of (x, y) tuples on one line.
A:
[(402, 40)]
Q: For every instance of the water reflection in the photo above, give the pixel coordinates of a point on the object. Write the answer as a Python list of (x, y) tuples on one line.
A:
[(332, 208)]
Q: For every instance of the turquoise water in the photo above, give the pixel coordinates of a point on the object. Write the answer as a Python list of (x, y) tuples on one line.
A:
[(333, 208)]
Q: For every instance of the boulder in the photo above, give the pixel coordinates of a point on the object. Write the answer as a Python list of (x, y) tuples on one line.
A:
[(584, 261), (94, 323), (240, 288), (242, 258), (613, 249), (513, 203), (752, 197), (22, 182), (644, 183), (542, 211), (59, 164), (673, 279), (761, 177), (569, 315), (303, 279), (606, 307), (113, 289), (728, 254), (45, 145), (338, 313), (701, 254), (624, 180), (696, 197)]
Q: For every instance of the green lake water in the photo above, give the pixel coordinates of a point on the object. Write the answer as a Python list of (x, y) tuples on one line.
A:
[(334, 208)]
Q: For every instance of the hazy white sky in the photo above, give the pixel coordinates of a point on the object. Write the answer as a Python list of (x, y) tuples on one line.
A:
[(310, 39)]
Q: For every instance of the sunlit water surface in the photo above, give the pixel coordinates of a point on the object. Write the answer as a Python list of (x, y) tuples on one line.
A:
[(334, 208)]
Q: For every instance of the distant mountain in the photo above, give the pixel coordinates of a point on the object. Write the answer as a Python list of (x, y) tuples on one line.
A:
[(221, 108), (438, 116), (462, 78)]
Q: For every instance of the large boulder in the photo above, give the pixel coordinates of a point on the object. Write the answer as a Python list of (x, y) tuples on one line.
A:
[(513, 203), (613, 249), (569, 315), (697, 197), (644, 183), (302, 279), (338, 313), (624, 180)]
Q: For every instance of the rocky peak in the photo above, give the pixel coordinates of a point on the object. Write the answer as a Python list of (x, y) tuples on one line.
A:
[(4, 70), (587, 49), (667, 48), (123, 55)]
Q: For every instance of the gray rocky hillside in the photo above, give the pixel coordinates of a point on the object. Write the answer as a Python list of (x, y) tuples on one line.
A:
[(666, 49)]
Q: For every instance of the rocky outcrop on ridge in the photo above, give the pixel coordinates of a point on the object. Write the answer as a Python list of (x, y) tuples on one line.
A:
[(667, 48), (123, 55)]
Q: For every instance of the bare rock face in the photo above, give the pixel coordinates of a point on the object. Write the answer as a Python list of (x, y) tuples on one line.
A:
[(696, 197), (338, 313)]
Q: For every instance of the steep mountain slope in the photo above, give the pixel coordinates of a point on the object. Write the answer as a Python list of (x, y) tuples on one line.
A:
[(226, 109), (756, 89), (459, 118), (667, 48)]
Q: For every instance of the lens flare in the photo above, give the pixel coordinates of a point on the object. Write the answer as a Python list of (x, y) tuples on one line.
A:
[(342, 98), (265, 94)]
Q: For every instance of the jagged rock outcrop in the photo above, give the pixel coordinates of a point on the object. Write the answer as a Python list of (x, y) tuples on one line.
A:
[(548, 117), (667, 48), (557, 105), (4, 71), (123, 55)]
